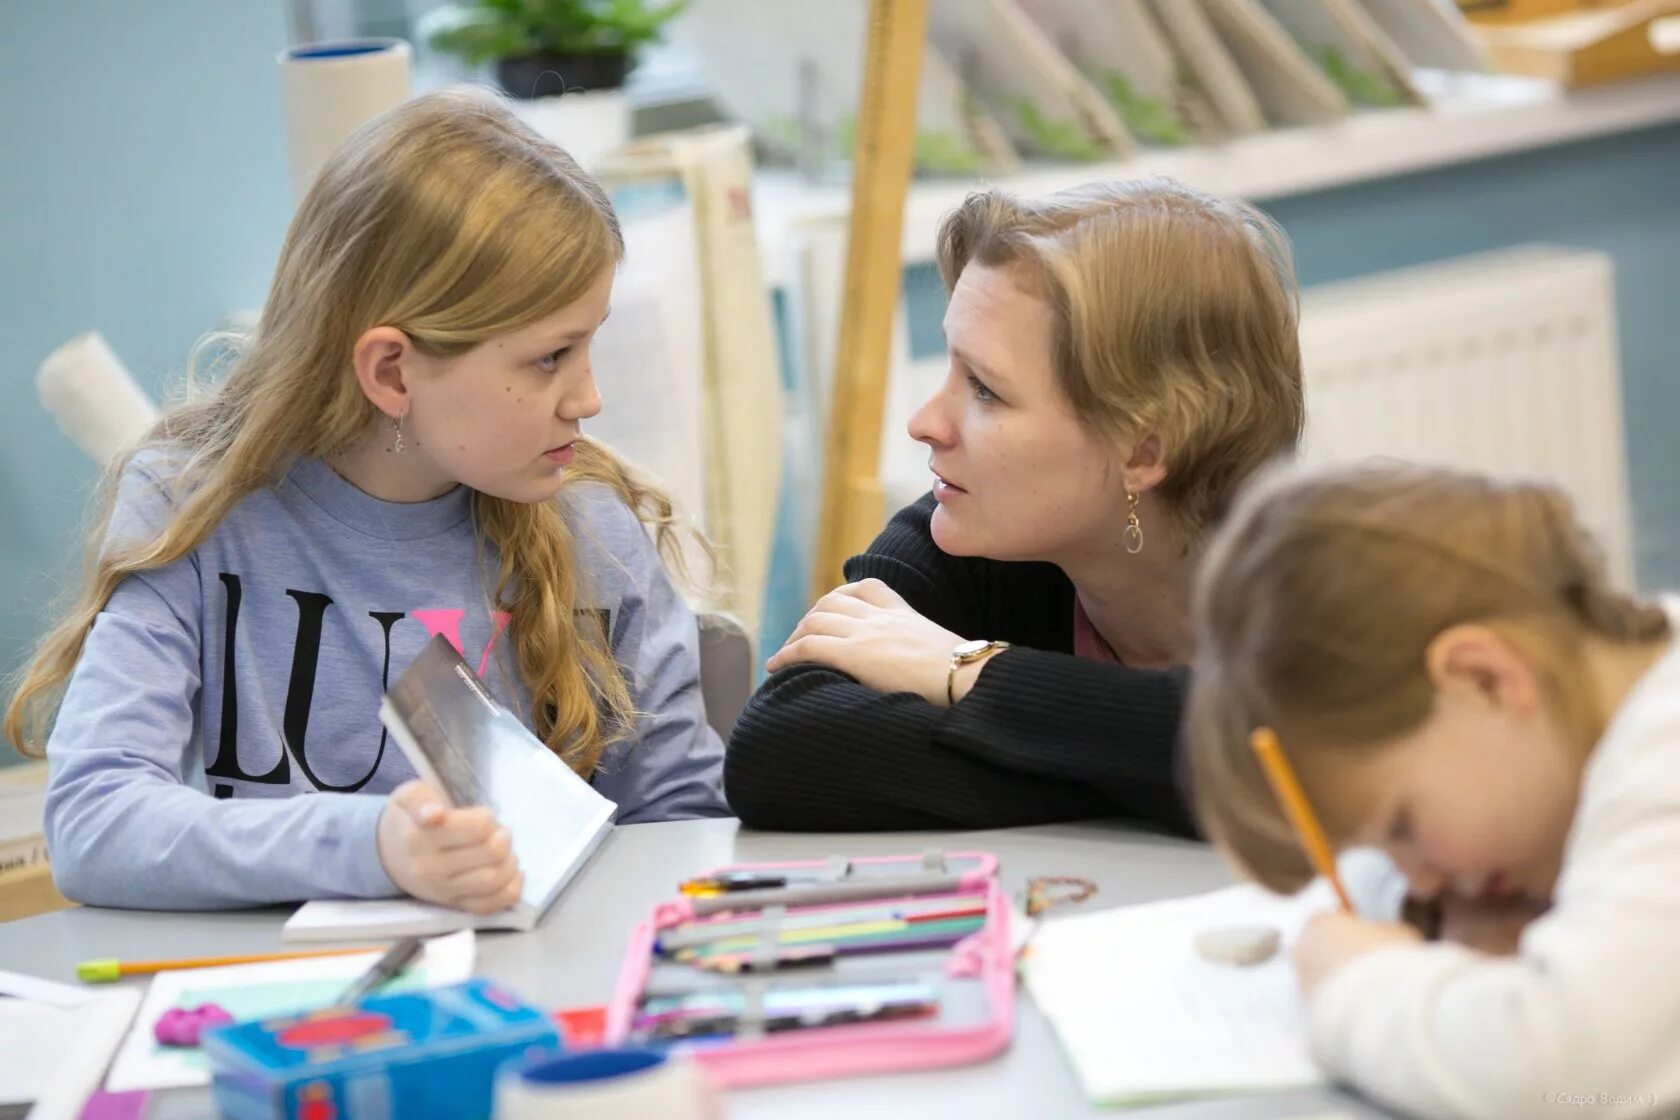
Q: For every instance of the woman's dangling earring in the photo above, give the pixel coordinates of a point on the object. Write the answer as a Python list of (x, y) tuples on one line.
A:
[(400, 445), (1134, 528)]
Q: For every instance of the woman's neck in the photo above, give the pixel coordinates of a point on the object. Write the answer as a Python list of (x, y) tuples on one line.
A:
[(1139, 603)]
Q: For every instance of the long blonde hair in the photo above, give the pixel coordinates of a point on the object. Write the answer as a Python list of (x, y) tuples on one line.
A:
[(1318, 599), (451, 220), (1175, 312)]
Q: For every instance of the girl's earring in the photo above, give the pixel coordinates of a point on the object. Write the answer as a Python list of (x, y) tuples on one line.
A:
[(1134, 528), (400, 445)]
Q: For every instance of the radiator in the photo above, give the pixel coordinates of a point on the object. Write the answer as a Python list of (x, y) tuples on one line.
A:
[(1504, 362)]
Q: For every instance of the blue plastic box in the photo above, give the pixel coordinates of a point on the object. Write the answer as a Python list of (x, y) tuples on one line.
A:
[(418, 1055)]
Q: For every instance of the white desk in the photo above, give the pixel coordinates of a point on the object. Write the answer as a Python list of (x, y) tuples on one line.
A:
[(572, 960)]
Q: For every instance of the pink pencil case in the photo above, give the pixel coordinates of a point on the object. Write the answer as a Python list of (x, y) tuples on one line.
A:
[(974, 978)]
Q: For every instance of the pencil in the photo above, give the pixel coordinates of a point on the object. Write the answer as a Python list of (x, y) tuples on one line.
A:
[(108, 969), (1294, 802)]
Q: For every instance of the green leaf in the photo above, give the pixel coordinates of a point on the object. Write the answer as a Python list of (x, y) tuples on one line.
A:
[(1060, 139), (486, 30), (945, 153), (1362, 87), (1149, 118)]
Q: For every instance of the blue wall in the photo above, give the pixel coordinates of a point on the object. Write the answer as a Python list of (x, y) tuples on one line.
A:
[(143, 192)]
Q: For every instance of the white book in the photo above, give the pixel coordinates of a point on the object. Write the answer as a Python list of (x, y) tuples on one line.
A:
[(1209, 65), (55, 1042), (1291, 89), (1356, 54), (1046, 105), (1430, 33), (476, 752), (1120, 48)]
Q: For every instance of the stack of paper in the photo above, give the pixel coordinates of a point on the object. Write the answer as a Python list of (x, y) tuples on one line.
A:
[(55, 1042)]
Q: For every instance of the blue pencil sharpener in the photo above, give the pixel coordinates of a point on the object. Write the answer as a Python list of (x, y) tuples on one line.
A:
[(418, 1055)]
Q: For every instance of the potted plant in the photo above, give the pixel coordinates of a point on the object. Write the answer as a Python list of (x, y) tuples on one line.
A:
[(566, 58)]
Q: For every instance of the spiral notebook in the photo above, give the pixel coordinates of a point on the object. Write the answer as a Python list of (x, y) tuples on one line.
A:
[(464, 742)]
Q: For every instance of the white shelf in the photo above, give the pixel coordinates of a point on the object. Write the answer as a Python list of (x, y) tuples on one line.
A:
[(1469, 117)]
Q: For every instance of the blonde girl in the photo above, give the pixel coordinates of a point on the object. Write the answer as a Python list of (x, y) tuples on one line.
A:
[(1457, 683), (394, 453)]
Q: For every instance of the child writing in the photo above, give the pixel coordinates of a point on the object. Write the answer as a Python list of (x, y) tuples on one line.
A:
[(1455, 682), (394, 454)]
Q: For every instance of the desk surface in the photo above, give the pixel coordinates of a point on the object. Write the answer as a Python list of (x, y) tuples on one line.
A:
[(572, 959)]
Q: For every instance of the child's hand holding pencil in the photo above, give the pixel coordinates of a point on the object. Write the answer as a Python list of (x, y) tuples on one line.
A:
[(1330, 940)]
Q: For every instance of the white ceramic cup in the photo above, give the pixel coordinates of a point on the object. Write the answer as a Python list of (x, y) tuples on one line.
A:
[(628, 1084), (330, 89)]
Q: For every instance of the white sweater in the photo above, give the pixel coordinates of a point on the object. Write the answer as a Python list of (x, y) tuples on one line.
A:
[(1585, 1020)]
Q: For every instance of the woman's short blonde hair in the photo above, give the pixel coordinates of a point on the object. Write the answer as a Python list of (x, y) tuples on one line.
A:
[(1175, 314)]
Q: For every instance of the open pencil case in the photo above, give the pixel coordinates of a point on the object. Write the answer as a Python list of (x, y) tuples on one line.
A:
[(965, 971)]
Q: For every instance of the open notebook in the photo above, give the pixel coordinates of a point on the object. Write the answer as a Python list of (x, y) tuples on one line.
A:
[(1144, 1018), (462, 741)]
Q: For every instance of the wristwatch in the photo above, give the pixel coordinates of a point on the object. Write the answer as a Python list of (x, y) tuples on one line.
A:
[(966, 653)]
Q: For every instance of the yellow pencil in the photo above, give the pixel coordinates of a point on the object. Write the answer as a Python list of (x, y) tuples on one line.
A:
[(106, 970), (1294, 801)]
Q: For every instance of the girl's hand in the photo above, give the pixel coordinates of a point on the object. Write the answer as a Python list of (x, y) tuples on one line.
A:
[(454, 857), (1331, 940), (867, 631)]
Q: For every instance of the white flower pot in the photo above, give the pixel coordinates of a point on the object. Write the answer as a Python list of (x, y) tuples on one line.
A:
[(588, 124)]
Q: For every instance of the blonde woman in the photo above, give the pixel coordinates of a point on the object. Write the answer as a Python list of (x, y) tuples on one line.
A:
[(1456, 681), (395, 453), (1011, 649)]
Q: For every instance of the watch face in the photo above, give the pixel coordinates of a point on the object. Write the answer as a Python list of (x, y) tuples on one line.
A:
[(969, 649)]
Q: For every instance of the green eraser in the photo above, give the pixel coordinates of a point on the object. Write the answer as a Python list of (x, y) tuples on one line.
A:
[(99, 972)]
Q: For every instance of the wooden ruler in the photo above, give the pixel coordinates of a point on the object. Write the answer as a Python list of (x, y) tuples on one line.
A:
[(853, 502)]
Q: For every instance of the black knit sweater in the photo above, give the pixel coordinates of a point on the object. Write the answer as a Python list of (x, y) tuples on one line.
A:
[(1042, 736)]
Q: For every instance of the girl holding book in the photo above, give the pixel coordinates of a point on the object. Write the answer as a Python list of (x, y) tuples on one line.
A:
[(395, 453)]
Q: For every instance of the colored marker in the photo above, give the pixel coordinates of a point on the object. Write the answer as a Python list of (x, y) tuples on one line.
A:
[(105, 970)]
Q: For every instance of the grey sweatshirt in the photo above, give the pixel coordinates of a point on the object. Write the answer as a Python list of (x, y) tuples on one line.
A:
[(215, 691)]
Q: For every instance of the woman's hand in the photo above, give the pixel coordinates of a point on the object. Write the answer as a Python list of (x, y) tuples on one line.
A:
[(867, 631), (1330, 940), (454, 857)]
